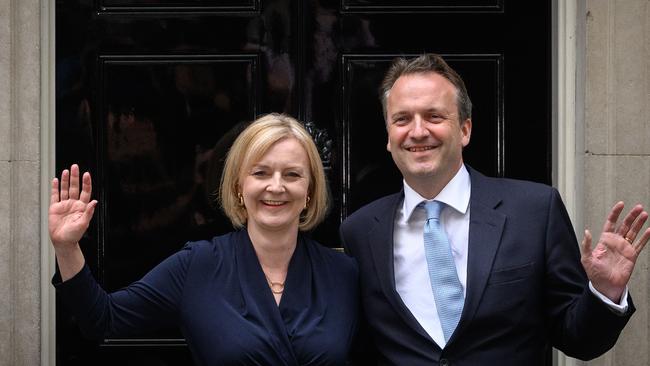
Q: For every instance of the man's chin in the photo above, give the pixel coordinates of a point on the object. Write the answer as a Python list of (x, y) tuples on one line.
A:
[(422, 174)]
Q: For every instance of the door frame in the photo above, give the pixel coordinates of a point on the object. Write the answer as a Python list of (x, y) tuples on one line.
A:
[(47, 162), (568, 54), (568, 99)]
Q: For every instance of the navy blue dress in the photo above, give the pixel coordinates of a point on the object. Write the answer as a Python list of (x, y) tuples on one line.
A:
[(216, 292)]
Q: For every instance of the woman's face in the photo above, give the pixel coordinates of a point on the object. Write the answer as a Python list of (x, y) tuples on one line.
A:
[(275, 188)]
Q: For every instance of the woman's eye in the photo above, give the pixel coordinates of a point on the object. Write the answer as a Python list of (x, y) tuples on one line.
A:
[(293, 174), (258, 173)]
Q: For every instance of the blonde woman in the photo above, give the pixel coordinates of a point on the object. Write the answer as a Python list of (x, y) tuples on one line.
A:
[(264, 294)]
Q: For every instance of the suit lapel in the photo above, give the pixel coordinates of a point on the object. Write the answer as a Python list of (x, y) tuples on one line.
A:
[(485, 230), (380, 242)]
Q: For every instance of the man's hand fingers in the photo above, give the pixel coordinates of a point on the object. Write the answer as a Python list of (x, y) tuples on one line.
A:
[(631, 235), (628, 221), (610, 222), (638, 247), (86, 188), (585, 246)]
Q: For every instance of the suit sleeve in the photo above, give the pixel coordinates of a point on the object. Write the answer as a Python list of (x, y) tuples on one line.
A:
[(581, 325), (148, 304)]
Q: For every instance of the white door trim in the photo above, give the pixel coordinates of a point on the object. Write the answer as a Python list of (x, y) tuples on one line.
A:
[(568, 112), (47, 160)]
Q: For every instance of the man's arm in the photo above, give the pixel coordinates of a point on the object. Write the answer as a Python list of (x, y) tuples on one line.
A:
[(609, 265), (582, 325), (363, 351)]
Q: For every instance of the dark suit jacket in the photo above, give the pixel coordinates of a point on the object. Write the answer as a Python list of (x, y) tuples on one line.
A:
[(526, 288)]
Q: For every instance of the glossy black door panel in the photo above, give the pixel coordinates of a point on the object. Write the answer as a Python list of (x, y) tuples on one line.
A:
[(167, 123), (151, 93), (176, 4), (393, 6), (176, 7)]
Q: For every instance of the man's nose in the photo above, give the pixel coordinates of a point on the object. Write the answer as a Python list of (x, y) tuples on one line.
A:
[(419, 129)]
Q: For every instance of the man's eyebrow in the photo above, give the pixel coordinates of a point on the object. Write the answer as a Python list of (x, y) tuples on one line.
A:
[(398, 114)]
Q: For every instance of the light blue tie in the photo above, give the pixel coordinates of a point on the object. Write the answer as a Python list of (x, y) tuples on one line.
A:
[(445, 284)]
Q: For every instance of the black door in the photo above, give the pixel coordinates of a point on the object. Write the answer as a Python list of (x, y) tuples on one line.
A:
[(150, 94)]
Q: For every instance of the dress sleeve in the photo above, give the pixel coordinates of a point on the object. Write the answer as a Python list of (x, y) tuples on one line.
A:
[(150, 303)]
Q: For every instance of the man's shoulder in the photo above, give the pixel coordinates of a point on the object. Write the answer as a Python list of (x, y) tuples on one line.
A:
[(509, 187)]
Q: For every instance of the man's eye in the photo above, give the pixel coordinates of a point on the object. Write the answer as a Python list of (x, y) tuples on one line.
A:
[(436, 118)]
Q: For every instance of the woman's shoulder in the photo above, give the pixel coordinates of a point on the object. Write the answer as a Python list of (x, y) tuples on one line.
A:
[(220, 242), (333, 258), (217, 247)]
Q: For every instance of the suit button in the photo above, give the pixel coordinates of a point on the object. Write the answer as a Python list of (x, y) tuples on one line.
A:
[(444, 362)]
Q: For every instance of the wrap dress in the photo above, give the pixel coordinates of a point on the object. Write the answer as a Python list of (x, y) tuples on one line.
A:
[(216, 292)]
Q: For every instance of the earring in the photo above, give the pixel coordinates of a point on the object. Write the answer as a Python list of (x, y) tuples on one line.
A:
[(241, 199)]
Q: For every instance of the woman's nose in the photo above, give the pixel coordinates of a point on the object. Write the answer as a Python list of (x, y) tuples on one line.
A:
[(276, 184)]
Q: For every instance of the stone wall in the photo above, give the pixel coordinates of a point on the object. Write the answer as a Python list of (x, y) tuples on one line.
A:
[(19, 182), (617, 142)]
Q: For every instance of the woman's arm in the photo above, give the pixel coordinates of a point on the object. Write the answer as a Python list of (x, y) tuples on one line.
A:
[(69, 216)]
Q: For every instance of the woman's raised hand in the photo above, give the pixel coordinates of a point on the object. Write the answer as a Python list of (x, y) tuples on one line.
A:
[(70, 209)]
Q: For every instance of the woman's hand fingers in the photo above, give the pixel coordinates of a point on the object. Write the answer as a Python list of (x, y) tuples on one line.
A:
[(70, 186), (73, 191), (65, 183), (88, 213), (86, 188), (54, 192)]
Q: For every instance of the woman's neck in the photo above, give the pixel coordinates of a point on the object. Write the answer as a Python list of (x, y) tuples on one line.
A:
[(273, 248)]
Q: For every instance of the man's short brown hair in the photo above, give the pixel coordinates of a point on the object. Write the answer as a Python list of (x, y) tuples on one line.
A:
[(426, 63)]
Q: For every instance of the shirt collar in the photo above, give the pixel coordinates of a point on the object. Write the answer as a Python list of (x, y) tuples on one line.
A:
[(455, 194)]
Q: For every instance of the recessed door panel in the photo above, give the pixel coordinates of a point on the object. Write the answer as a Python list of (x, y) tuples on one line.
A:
[(151, 93)]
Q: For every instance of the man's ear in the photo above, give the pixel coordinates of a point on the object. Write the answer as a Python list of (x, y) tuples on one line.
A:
[(466, 131), (387, 135)]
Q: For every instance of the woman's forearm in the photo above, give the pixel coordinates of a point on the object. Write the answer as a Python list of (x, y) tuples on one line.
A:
[(70, 260)]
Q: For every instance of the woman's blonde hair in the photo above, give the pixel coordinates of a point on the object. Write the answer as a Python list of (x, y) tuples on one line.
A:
[(250, 146)]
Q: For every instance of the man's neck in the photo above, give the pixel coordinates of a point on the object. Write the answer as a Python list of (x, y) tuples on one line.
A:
[(430, 187)]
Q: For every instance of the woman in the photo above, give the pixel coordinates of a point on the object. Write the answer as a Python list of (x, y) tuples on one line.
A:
[(265, 294)]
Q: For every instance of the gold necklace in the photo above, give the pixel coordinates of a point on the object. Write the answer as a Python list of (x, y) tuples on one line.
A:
[(276, 287)]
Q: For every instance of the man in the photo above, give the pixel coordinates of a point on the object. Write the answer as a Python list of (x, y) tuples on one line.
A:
[(508, 282)]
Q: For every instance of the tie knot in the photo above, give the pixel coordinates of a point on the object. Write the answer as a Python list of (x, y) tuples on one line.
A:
[(433, 209)]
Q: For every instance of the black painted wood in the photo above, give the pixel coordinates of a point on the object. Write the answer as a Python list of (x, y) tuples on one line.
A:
[(150, 93)]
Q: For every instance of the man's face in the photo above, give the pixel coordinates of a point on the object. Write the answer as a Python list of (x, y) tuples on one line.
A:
[(425, 137)]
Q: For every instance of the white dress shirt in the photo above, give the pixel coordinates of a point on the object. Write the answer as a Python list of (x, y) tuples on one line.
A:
[(412, 280)]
